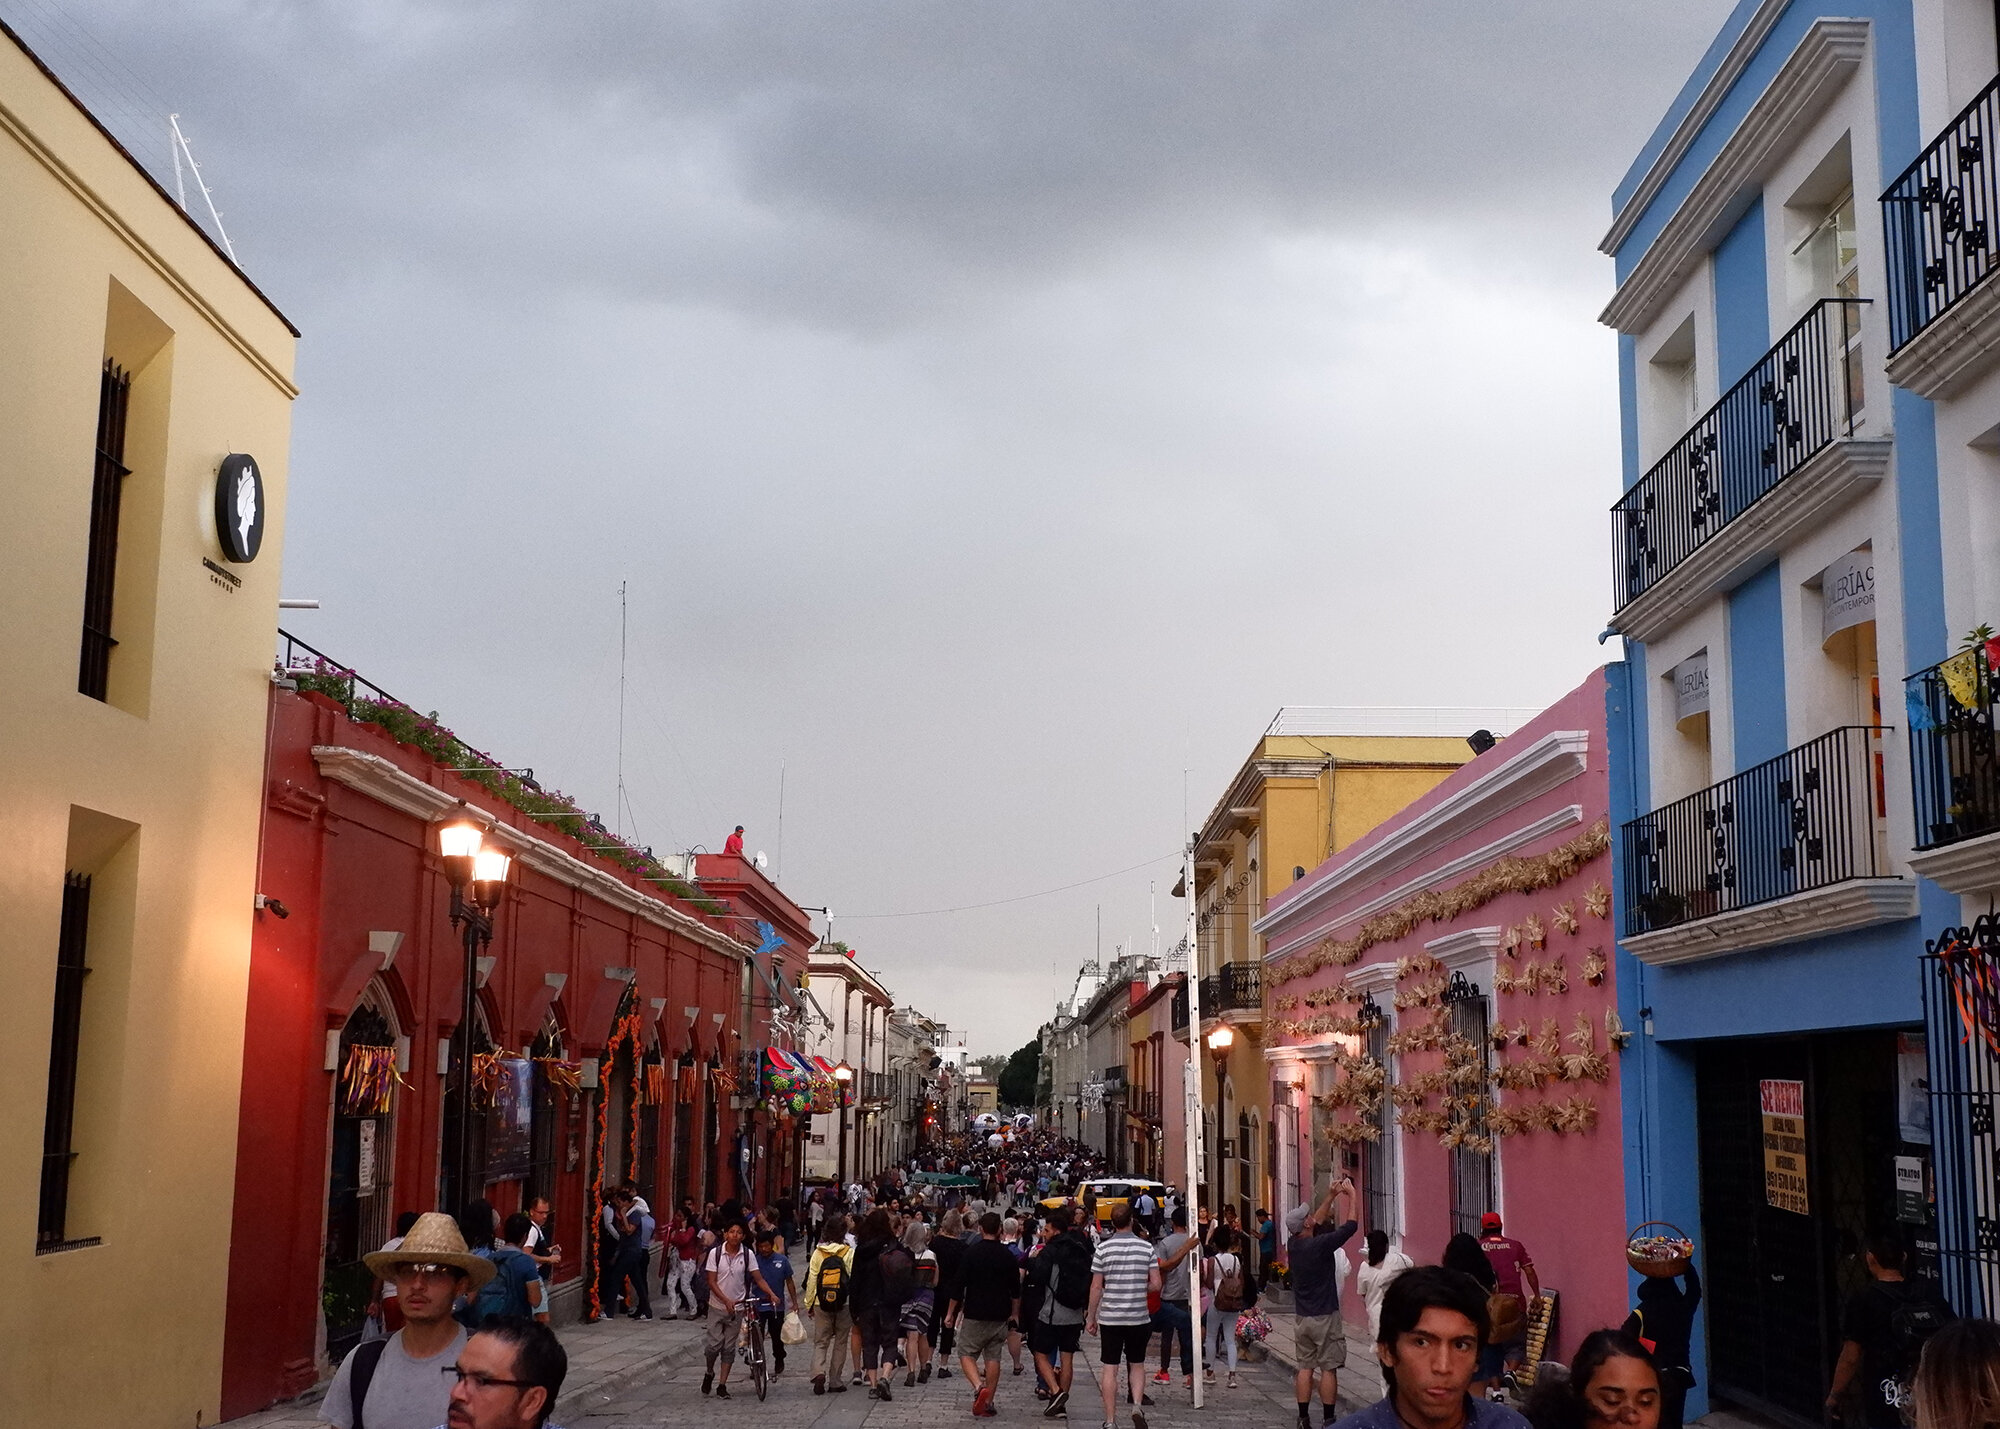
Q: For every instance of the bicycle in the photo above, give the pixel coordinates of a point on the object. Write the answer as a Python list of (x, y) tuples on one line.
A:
[(751, 1337)]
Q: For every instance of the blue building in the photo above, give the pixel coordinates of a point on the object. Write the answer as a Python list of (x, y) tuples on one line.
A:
[(1803, 765)]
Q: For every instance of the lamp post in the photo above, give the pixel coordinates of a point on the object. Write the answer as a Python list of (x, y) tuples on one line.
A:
[(844, 1075), (477, 872), (1219, 1042)]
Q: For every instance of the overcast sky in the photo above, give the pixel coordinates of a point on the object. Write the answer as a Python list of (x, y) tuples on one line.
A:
[(997, 409)]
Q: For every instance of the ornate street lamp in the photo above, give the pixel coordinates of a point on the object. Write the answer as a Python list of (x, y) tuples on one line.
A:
[(844, 1075), (477, 871)]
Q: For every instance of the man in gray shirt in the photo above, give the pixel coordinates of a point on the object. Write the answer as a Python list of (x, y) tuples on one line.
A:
[(1176, 1315), (405, 1383)]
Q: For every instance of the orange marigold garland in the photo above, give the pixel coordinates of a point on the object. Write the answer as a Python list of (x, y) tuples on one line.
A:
[(628, 1029)]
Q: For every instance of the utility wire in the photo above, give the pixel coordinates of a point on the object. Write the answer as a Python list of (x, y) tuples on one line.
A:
[(1018, 898)]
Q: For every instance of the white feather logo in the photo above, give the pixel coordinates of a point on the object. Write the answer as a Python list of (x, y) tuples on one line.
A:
[(246, 506)]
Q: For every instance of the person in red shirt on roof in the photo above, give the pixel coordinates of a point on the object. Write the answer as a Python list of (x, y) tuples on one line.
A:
[(734, 843), (1514, 1275)]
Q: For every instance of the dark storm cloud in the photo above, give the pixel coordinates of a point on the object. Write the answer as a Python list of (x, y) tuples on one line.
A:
[(998, 408), (846, 162)]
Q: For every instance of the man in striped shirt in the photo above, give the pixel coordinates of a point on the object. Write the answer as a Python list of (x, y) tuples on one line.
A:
[(1123, 1274)]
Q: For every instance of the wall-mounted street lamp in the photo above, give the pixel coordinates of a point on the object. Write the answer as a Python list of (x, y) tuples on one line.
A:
[(477, 870), (1219, 1040), (844, 1075)]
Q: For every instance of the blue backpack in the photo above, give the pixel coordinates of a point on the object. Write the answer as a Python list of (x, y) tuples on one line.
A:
[(505, 1294)]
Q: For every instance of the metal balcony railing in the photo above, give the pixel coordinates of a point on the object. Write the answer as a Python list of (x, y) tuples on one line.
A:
[(1807, 819), (1801, 396), (1236, 987), (1114, 1080), (1955, 777), (1179, 1016), (1938, 219)]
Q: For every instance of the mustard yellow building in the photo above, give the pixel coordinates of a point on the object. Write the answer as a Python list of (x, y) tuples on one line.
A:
[(145, 408), (1318, 780)]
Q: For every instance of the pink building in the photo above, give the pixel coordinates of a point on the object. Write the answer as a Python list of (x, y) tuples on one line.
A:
[(1442, 1023)]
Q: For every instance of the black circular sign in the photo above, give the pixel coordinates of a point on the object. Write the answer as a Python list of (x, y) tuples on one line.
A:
[(239, 507)]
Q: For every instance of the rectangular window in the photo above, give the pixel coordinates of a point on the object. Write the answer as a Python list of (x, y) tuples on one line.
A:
[(101, 568), (1471, 1172), (65, 1035), (1378, 1157)]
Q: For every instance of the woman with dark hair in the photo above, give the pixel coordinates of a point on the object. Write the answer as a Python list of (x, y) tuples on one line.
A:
[(1612, 1384), (1462, 1253), (874, 1317), (1958, 1378)]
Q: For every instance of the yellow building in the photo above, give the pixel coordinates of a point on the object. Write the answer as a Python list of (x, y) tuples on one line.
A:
[(1318, 780), (145, 410)]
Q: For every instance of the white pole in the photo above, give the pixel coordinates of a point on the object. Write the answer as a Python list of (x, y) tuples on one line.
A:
[(1193, 1137), (174, 125)]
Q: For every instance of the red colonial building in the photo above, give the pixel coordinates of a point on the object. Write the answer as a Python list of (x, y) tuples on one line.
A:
[(621, 1017)]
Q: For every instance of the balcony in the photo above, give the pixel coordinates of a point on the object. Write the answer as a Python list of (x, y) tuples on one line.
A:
[(1143, 1103), (1178, 1018), (1775, 456), (1789, 849), (1954, 775), (1235, 993), (1939, 220)]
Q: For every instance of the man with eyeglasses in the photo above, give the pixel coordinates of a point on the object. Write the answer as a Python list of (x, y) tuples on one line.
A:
[(405, 1381), (507, 1376)]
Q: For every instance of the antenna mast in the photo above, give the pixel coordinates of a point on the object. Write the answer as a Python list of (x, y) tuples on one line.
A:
[(180, 148), (621, 709)]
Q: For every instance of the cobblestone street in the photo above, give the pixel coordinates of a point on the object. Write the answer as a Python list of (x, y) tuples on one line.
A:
[(670, 1395)]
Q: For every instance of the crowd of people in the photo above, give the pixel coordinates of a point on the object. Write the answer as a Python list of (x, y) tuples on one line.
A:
[(990, 1254)]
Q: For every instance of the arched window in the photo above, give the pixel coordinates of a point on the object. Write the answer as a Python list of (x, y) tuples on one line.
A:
[(361, 1167), (1246, 1166), (545, 1129)]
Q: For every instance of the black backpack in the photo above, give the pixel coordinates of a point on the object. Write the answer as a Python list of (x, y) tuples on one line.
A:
[(1915, 1314), (367, 1356), (899, 1274), (1069, 1271)]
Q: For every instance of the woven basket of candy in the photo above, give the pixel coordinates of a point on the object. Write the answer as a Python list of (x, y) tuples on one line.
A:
[(1659, 1249)]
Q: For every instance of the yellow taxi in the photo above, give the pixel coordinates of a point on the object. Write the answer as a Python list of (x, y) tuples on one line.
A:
[(1111, 1193)]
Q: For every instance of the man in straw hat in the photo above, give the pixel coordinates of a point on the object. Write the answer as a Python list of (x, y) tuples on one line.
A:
[(400, 1382)]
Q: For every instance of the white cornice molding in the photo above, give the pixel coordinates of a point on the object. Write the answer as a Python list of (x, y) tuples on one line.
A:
[(1472, 951), (1550, 762), (391, 785), (839, 965), (1692, 123), (1958, 348), (1833, 480), (1802, 90), (1371, 977), (1553, 823), (1972, 866), (1466, 947), (1858, 903)]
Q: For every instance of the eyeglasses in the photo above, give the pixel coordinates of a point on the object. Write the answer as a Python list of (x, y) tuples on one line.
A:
[(409, 1271), (482, 1381)]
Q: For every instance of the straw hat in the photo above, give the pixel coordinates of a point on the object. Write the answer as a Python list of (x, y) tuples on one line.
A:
[(433, 1240)]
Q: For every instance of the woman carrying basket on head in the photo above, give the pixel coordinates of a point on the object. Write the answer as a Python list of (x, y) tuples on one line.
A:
[(1664, 1321)]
